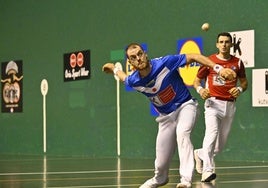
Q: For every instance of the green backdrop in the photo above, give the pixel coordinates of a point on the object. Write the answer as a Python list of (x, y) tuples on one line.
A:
[(81, 115)]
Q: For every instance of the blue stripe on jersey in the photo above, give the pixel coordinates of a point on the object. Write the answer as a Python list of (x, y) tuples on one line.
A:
[(164, 85)]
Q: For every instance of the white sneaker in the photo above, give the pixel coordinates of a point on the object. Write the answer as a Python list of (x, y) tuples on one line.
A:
[(198, 163), (151, 183), (208, 176), (184, 185)]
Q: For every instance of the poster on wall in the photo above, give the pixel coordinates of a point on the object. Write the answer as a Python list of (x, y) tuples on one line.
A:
[(243, 47), (186, 46), (260, 87), (76, 65), (12, 82)]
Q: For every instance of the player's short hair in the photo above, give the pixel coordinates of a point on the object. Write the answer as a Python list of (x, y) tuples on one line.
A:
[(133, 45), (225, 34)]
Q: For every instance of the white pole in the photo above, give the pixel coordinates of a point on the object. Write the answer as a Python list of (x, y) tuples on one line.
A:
[(44, 89), (119, 66), (118, 172), (118, 116), (45, 172), (44, 125)]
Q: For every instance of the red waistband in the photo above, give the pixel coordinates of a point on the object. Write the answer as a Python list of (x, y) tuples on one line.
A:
[(224, 99)]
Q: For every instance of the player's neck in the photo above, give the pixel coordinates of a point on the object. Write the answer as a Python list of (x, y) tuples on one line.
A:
[(144, 72), (224, 56)]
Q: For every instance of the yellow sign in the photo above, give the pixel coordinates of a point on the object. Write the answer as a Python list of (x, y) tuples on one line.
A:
[(189, 72)]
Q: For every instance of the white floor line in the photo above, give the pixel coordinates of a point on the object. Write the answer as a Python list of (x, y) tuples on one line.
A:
[(111, 171), (244, 181)]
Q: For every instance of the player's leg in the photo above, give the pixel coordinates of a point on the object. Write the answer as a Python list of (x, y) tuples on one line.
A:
[(209, 141), (186, 121), (213, 115), (203, 155), (165, 148), (225, 127), (208, 146)]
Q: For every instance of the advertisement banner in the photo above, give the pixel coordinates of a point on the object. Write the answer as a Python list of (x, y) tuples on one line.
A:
[(12, 82), (76, 65)]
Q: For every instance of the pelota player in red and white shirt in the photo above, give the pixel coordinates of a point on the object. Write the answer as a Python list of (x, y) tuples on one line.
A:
[(220, 96)]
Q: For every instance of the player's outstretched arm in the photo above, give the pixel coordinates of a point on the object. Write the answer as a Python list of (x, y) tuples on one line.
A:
[(225, 73), (110, 68)]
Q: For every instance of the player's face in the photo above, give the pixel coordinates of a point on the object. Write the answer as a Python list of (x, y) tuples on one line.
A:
[(137, 58), (224, 45)]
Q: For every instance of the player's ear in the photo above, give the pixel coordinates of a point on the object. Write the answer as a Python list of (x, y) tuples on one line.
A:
[(232, 44), (146, 55)]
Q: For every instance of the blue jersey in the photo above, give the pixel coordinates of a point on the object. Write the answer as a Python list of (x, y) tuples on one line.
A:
[(164, 85)]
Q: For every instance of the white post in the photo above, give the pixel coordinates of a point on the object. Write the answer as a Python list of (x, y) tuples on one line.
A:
[(44, 89), (44, 125), (119, 66), (118, 116)]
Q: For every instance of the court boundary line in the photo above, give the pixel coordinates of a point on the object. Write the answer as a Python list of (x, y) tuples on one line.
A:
[(135, 170), (110, 171), (130, 185), (244, 181)]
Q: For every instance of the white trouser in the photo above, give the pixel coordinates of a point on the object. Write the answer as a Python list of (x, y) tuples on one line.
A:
[(219, 116), (174, 130)]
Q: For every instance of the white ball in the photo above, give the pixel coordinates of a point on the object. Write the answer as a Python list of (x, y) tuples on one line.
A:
[(205, 27)]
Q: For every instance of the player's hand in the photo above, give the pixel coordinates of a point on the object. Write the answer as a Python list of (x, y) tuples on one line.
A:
[(234, 92), (204, 93), (227, 74), (108, 68)]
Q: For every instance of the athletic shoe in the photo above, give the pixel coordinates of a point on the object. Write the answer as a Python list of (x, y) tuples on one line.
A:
[(208, 176), (151, 183), (184, 185), (198, 163)]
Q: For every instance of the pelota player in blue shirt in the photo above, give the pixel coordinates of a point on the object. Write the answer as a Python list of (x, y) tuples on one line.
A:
[(160, 81)]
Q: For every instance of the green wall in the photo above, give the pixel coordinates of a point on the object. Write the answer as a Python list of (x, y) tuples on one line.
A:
[(81, 115)]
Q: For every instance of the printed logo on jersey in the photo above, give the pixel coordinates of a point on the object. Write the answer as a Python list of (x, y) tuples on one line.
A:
[(186, 46), (233, 68), (167, 94), (218, 81), (164, 96)]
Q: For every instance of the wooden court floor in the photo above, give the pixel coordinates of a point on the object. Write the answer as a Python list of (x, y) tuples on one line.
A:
[(82, 172)]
